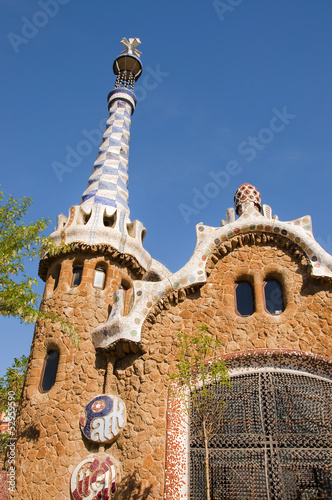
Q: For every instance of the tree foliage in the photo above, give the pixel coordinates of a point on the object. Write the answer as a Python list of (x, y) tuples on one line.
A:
[(199, 374), (13, 381), (18, 241)]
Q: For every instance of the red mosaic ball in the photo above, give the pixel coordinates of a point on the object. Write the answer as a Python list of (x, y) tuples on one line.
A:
[(247, 193)]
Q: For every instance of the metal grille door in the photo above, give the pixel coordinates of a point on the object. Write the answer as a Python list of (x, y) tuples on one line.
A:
[(274, 441)]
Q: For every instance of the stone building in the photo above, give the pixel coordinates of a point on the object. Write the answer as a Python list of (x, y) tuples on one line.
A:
[(97, 420)]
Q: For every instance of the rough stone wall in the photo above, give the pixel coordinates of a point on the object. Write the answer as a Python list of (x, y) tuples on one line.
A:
[(50, 443), (305, 324), (141, 380)]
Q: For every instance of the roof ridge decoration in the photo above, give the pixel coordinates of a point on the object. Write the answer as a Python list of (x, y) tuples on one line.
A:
[(208, 240)]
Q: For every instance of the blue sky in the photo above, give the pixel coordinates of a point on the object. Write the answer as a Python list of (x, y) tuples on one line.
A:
[(215, 75)]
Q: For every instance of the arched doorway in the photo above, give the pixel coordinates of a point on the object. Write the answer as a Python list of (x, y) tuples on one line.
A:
[(274, 441), (275, 438)]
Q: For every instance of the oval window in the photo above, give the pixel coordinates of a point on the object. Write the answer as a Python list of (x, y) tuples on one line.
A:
[(274, 300), (50, 370), (244, 298)]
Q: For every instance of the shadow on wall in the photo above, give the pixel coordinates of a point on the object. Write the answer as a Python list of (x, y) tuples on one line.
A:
[(31, 433), (133, 488)]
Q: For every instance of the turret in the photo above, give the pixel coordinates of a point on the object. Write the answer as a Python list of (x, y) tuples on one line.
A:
[(71, 415)]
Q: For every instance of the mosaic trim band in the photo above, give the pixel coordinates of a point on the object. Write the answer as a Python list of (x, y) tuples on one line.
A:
[(209, 240)]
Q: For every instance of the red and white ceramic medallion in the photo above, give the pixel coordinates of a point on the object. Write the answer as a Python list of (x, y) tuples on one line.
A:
[(95, 478)]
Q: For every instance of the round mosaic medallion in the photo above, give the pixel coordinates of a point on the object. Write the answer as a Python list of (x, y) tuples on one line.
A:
[(247, 193), (104, 418), (95, 477)]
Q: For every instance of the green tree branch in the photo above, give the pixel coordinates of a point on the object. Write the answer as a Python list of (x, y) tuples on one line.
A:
[(18, 241)]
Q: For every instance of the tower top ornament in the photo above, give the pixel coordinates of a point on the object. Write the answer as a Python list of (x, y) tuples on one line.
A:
[(131, 46)]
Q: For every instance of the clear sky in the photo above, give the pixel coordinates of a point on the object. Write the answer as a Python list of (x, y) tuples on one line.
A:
[(232, 91)]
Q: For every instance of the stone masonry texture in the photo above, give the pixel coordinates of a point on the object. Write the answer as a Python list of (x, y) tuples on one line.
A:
[(50, 444)]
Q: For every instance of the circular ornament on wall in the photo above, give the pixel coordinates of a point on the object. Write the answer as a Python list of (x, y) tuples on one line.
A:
[(104, 418), (95, 477)]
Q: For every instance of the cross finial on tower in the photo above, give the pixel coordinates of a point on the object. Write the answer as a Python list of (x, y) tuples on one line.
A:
[(131, 46)]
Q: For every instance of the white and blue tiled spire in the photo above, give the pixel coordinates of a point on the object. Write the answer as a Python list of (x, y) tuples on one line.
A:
[(108, 182), (109, 179), (103, 216)]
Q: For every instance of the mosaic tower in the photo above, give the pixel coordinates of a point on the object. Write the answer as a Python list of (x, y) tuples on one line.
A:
[(88, 281), (98, 420)]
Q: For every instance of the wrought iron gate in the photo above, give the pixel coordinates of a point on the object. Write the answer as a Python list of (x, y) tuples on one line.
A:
[(274, 441)]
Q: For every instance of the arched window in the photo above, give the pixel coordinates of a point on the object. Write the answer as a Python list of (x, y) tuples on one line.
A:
[(274, 300), (99, 277), (77, 275), (55, 276), (50, 370), (245, 303), (110, 220), (272, 441)]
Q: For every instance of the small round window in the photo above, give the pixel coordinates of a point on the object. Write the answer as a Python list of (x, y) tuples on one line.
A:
[(273, 294)]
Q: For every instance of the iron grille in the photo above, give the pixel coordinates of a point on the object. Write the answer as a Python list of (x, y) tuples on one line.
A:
[(274, 440)]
